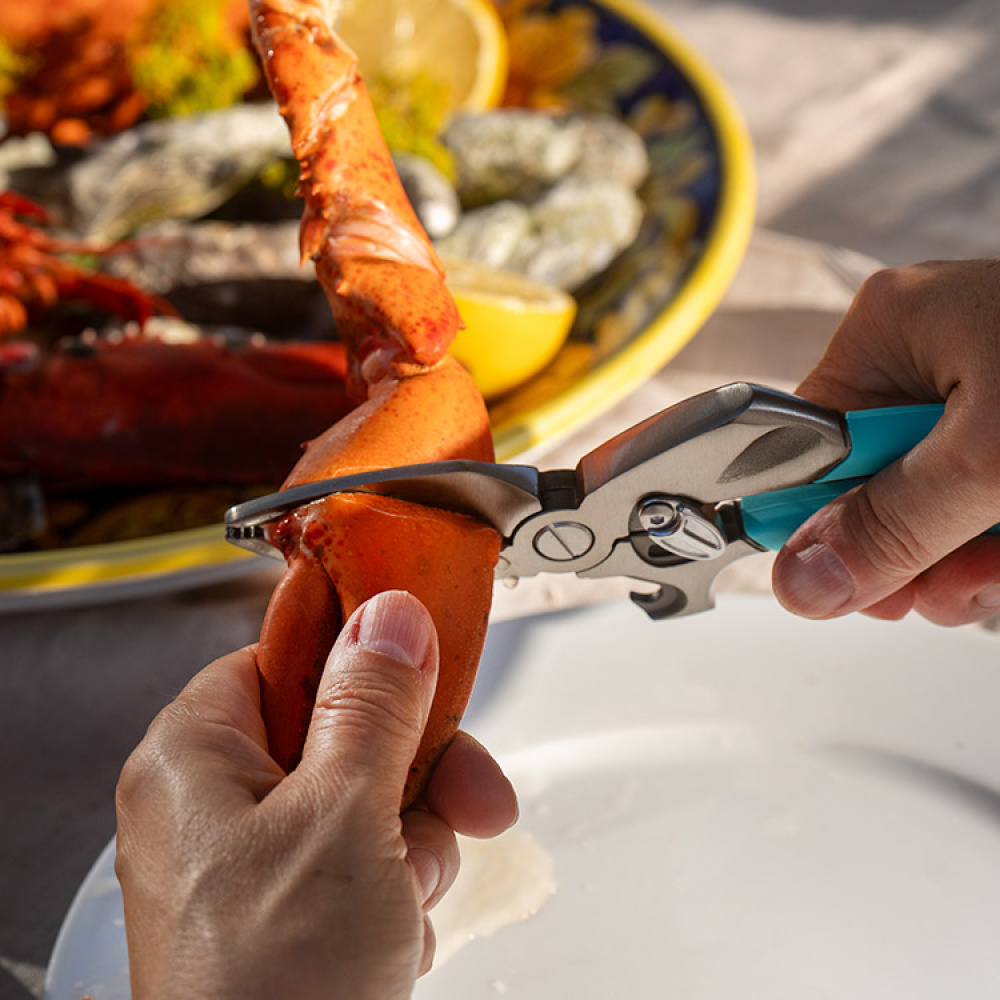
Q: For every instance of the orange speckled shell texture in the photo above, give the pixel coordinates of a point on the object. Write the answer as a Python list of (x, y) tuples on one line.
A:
[(349, 547), (359, 545)]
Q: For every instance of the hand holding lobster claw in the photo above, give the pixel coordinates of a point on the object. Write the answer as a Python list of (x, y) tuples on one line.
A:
[(672, 501)]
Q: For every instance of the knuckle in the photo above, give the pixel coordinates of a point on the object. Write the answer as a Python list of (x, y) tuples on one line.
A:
[(151, 768), (141, 778), (960, 589), (945, 613), (130, 780), (894, 295), (884, 285), (977, 468), (881, 285), (889, 543), (137, 773), (945, 606), (971, 472)]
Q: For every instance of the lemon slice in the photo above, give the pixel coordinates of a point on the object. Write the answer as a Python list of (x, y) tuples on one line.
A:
[(513, 326), (459, 43)]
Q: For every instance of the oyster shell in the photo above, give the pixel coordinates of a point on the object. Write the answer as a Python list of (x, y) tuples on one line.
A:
[(571, 233), (174, 168), (247, 274), (489, 235), (510, 153), (610, 149), (431, 194), (549, 197)]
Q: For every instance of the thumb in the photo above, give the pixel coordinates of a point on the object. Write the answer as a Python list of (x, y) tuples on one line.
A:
[(374, 696), (875, 540)]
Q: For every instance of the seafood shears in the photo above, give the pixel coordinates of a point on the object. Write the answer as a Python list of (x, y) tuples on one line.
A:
[(671, 501)]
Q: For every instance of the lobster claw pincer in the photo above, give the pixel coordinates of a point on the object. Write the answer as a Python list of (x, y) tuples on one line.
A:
[(671, 501)]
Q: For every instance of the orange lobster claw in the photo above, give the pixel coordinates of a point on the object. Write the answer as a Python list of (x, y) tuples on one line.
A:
[(349, 547)]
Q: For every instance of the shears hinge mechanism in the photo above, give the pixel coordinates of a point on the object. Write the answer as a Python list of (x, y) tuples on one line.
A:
[(681, 546), (680, 528)]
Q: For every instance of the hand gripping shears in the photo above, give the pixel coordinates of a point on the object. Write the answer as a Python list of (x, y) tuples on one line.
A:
[(671, 501)]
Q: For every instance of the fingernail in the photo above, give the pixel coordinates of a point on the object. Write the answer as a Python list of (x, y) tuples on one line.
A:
[(813, 582), (428, 870), (394, 624), (989, 597)]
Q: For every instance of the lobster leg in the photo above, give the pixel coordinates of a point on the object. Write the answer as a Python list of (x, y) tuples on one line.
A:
[(382, 276), (386, 290)]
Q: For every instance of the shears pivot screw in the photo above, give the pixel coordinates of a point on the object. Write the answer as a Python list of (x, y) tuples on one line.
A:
[(562, 541)]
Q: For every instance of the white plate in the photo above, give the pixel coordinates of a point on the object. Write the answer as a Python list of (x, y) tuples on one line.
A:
[(738, 804)]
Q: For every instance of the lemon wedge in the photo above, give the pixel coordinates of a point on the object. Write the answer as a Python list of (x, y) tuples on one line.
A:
[(513, 326), (461, 44)]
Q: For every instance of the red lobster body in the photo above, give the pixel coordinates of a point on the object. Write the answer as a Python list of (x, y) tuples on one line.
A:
[(144, 413)]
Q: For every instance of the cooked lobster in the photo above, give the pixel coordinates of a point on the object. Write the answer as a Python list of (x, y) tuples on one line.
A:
[(141, 412), (386, 290)]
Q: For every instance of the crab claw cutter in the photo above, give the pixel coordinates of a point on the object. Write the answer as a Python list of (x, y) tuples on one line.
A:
[(672, 501)]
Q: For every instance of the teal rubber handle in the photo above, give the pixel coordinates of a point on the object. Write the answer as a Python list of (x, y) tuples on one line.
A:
[(878, 438)]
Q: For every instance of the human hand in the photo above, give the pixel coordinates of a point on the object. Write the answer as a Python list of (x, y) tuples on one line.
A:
[(909, 539), (242, 882)]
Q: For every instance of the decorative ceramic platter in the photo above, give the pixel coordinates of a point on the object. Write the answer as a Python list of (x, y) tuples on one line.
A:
[(631, 320)]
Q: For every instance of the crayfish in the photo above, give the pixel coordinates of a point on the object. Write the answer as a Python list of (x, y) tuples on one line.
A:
[(385, 286), (35, 274)]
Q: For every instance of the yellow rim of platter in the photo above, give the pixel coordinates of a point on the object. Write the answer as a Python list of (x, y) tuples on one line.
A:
[(158, 555), (176, 552)]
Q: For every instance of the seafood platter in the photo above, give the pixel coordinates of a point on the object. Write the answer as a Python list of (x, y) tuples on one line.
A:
[(165, 344)]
